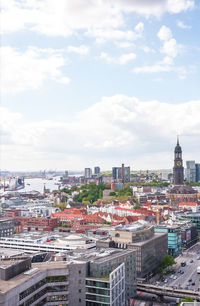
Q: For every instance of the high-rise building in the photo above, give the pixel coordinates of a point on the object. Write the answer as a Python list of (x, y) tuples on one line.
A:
[(117, 173), (178, 165), (127, 174), (88, 173), (190, 171), (96, 170), (197, 172), (121, 174)]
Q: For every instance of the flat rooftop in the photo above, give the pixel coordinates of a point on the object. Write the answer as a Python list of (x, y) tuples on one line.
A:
[(101, 255), (37, 268), (141, 243), (8, 253)]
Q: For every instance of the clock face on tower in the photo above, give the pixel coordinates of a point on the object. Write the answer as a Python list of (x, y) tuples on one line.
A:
[(178, 163)]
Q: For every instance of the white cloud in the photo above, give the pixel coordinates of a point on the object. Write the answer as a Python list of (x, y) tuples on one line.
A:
[(30, 69), (170, 46), (123, 59), (147, 49), (166, 65), (50, 18), (53, 19), (171, 49), (139, 27), (124, 44), (116, 129), (155, 7), (164, 33), (181, 25), (82, 50), (102, 35)]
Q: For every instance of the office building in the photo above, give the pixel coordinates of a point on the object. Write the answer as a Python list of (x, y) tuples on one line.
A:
[(70, 278), (190, 171), (96, 170), (174, 238), (197, 172), (114, 271), (121, 174), (150, 247), (57, 283), (88, 173)]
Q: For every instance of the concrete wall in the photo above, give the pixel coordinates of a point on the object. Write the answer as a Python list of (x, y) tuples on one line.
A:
[(77, 274)]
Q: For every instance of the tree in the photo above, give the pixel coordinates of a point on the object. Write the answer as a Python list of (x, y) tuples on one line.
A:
[(187, 299), (112, 194), (168, 261)]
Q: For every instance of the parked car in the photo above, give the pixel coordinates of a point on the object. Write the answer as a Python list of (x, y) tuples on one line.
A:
[(175, 277), (193, 284), (166, 280)]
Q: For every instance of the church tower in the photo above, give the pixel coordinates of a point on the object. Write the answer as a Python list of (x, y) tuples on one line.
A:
[(178, 165)]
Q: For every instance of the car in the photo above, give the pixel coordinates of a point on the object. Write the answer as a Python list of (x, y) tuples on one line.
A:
[(171, 276), (190, 280), (198, 258), (193, 284), (166, 280), (191, 261), (157, 283), (175, 277)]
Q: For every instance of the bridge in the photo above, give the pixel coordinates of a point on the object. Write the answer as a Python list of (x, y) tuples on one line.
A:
[(168, 291)]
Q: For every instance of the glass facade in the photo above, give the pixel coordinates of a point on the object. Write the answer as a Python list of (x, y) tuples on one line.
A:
[(107, 292), (174, 239)]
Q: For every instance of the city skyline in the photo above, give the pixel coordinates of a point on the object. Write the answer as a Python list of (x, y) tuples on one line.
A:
[(99, 84)]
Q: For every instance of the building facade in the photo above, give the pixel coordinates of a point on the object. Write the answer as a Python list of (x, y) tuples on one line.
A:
[(150, 247), (108, 290), (88, 173), (174, 238), (190, 171), (57, 283), (96, 170), (6, 227), (178, 170)]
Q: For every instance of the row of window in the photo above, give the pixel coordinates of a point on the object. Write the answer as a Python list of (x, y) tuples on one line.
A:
[(43, 292), (49, 279), (98, 284), (53, 298)]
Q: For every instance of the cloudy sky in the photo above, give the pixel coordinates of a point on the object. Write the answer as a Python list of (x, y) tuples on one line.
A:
[(99, 82)]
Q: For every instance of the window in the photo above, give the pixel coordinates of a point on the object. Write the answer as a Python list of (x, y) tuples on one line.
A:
[(79, 290), (79, 300), (79, 271)]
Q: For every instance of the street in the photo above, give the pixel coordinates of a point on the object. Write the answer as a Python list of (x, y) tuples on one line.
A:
[(183, 277)]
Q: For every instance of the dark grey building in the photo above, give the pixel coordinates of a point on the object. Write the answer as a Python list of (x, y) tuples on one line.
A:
[(96, 170), (121, 174), (178, 169), (6, 227), (197, 172)]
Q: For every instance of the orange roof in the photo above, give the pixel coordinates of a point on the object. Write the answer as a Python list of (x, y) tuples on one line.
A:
[(188, 204)]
